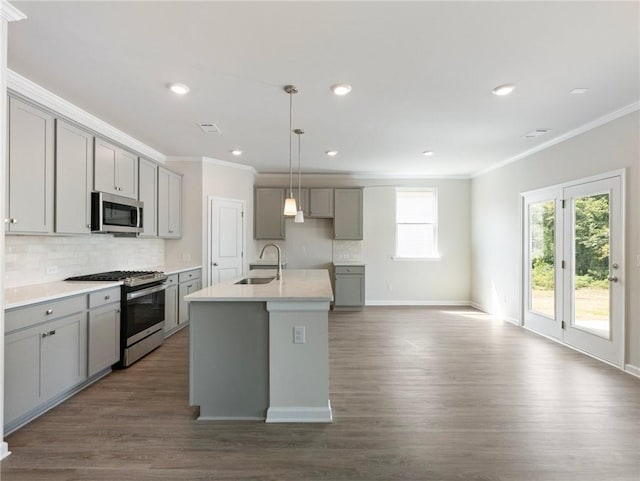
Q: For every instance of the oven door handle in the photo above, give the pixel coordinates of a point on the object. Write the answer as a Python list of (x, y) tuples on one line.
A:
[(144, 292)]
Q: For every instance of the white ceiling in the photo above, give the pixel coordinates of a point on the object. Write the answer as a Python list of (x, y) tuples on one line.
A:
[(422, 74)]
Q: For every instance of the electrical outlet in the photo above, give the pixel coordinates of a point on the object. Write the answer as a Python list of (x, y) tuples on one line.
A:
[(298, 335), (52, 269)]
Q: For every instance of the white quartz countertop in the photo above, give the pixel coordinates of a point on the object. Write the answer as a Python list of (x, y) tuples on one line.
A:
[(25, 295), (34, 293), (170, 269), (300, 285)]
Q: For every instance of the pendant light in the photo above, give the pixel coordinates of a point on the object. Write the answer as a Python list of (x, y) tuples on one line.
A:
[(290, 203), (299, 215)]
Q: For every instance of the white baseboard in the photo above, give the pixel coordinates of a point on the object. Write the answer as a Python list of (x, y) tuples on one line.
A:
[(511, 320), (4, 450), (295, 414), (631, 369), (417, 303)]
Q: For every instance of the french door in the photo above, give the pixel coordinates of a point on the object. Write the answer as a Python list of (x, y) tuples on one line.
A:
[(574, 265)]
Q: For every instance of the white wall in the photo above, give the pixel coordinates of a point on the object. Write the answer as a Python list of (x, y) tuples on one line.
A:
[(445, 281), (496, 210), (204, 178)]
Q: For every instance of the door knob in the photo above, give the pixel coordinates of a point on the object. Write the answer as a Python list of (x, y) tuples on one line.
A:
[(613, 279)]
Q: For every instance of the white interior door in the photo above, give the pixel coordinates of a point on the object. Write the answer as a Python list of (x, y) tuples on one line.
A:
[(226, 239), (574, 258)]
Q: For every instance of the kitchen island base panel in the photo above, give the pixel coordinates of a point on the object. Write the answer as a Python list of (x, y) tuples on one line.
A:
[(229, 359), (298, 372), (300, 415)]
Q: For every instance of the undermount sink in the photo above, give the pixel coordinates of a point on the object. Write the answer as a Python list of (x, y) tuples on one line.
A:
[(255, 280)]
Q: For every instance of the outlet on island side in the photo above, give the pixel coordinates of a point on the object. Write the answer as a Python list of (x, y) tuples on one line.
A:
[(298, 335)]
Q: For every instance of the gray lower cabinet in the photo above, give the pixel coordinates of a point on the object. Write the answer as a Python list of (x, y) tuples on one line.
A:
[(169, 204), (30, 175), (74, 179), (189, 282), (349, 286), (43, 361), (148, 194), (347, 220), (171, 305), (115, 169), (268, 211), (104, 330)]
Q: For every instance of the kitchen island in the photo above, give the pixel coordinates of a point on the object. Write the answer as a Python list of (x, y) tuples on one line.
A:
[(261, 351)]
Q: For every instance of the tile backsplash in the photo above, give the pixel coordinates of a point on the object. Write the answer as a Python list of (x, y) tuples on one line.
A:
[(39, 259)]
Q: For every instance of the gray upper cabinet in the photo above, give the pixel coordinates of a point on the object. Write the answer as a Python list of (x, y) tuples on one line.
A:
[(169, 204), (321, 202), (30, 169), (148, 194), (74, 179), (268, 214), (116, 170), (347, 221)]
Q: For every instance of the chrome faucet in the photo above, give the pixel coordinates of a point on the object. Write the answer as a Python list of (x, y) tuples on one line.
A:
[(279, 275)]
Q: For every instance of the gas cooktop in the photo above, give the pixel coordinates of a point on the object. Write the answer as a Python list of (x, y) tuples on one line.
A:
[(129, 278)]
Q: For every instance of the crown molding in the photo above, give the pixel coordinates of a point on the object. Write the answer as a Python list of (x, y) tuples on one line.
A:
[(370, 176), (230, 165), (566, 136), (42, 96), (10, 13)]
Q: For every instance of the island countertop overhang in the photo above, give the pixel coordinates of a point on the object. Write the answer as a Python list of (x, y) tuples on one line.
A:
[(295, 284)]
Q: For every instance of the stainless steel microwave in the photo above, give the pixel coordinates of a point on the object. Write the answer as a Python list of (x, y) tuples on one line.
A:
[(115, 214)]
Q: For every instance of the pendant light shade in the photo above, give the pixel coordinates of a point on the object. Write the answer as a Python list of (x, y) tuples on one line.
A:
[(290, 206), (300, 214), (290, 203)]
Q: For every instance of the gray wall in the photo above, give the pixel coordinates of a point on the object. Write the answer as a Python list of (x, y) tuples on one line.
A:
[(442, 281), (496, 260)]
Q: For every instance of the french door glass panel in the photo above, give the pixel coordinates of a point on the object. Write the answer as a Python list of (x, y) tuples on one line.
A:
[(542, 276), (591, 247)]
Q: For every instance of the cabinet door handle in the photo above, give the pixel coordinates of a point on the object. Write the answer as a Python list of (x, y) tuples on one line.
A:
[(189, 286), (51, 333), (45, 334), (14, 221), (48, 312), (106, 298)]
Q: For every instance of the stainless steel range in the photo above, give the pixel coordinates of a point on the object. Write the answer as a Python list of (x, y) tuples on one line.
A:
[(142, 313)]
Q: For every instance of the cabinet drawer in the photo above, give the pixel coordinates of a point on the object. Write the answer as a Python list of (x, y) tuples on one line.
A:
[(189, 275), (172, 280), (27, 316), (349, 269), (106, 296)]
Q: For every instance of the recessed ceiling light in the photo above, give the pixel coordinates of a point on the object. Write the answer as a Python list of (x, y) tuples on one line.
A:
[(236, 152), (580, 90), (179, 89), (331, 153), (341, 89), (428, 153), (537, 133), (505, 89)]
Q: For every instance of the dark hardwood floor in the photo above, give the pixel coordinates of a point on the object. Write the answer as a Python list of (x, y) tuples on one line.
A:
[(418, 394)]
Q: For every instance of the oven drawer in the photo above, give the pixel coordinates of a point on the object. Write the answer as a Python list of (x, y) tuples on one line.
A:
[(103, 297), (22, 317), (189, 275)]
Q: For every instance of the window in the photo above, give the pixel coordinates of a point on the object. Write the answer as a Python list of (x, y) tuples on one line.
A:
[(416, 224)]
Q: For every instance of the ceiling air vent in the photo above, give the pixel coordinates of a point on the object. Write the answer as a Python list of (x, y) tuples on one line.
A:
[(209, 127), (537, 133)]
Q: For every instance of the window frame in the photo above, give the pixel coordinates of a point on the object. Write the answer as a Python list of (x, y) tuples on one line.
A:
[(435, 254)]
